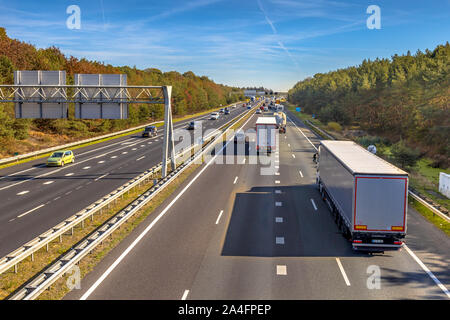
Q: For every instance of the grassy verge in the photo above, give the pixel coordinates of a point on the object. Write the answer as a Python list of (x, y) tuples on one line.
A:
[(175, 120), (430, 216)]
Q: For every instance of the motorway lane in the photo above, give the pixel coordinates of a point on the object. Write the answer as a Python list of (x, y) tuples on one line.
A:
[(51, 198), (239, 257)]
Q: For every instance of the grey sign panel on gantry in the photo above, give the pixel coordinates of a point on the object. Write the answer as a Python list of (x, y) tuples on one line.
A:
[(37, 109), (104, 103)]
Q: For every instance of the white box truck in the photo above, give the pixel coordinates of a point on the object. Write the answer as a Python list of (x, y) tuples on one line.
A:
[(266, 128), (367, 196)]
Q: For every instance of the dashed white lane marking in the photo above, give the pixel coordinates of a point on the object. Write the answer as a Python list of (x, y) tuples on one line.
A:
[(277, 181), (277, 167), (140, 158), (343, 272), (243, 161), (125, 152), (113, 157), (277, 161), (278, 204), (314, 204), (101, 177), (281, 270), (67, 193), (218, 218), (289, 144), (23, 192), (103, 161), (142, 145), (279, 240), (69, 174), (48, 182), (29, 211), (185, 294), (78, 188), (279, 219), (56, 198), (425, 268), (277, 173), (293, 156), (277, 191), (301, 174), (85, 168), (235, 180), (149, 142), (134, 149)]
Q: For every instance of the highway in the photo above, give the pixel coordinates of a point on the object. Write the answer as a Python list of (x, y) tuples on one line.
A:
[(229, 232), (34, 198)]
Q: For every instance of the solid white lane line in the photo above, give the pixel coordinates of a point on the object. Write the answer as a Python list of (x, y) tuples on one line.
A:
[(69, 174), (279, 240), (278, 204), (235, 180), (23, 192), (101, 177), (314, 204), (343, 272), (301, 174), (29, 211), (140, 158), (425, 268), (150, 226), (48, 182), (281, 270), (302, 133), (218, 218), (279, 219), (185, 294)]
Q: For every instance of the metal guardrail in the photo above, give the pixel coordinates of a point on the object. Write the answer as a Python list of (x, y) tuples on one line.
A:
[(28, 249), (46, 278), (415, 196)]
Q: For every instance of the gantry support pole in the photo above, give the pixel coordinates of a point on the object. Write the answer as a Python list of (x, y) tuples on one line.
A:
[(168, 132)]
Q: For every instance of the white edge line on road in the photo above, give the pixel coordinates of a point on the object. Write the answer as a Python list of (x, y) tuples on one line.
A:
[(101, 177), (218, 218), (343, 271), (150, 226), (425, 268), (302, 133), (185, 294), (29, 211), (314, 204)]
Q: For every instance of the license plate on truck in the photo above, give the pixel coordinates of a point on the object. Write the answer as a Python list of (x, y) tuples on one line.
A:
[(377, 241)]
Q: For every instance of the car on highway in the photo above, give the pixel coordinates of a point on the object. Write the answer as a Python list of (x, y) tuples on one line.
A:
[(258, 111), (227, 111), (244, 105), (149, 131), (249, 107), (214, 116), (60, 158), (222, 110)]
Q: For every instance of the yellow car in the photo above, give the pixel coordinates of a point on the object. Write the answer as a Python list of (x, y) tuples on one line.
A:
[(60, 158)]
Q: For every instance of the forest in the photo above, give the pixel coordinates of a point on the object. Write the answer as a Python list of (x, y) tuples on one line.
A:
[(403, 100), (190, 94)]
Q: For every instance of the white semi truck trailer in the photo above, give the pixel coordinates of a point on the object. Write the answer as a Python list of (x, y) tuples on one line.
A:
[(368, 197)]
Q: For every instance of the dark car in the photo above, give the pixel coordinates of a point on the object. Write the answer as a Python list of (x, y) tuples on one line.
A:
[(227, 111), (150, 131)]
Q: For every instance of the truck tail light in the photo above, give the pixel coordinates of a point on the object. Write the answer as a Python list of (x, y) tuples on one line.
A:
[(398, 242), (397, 228), (360, 227), (357, 241)]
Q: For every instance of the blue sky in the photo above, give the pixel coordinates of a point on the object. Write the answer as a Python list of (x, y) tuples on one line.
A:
[(273, 43)]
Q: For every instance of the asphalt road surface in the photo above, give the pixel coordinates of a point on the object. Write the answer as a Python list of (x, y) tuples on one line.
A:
[(232, 232)]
